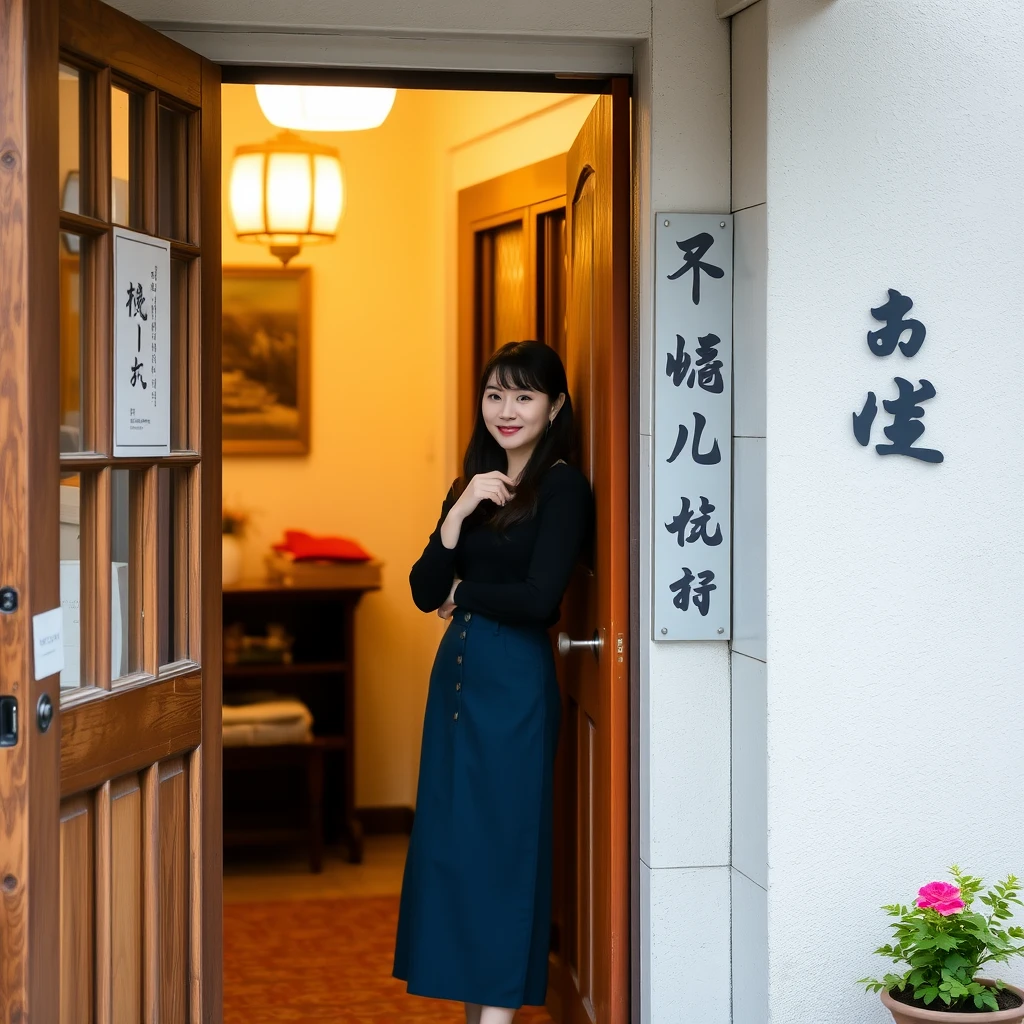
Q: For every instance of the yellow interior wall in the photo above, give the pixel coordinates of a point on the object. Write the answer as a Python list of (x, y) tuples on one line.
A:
[(383, 362)]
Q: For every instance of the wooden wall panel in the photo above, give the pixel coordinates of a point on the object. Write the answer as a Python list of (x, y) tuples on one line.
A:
[(76, 910), (173, 837), (126, 900)]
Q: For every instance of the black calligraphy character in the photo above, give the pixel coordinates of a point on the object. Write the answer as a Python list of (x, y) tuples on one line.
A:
[(862, 420), (677, 365), (906, 428), (695, 249), (701, 594), (698, 527), (136, 300), (710, 458), (883, 342), (706, 372), (709, 366), (681, 588), (137, 375)]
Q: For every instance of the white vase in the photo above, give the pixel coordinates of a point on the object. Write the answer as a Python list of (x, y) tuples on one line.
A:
[(231, 559)]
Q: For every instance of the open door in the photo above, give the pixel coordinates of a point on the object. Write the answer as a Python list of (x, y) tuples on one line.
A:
[(110, 856), (590, 977)]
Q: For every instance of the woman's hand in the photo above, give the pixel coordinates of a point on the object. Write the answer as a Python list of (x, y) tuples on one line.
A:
[(495, 486), (445, 611)]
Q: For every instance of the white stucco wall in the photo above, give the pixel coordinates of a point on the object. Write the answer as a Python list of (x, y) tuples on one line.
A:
[(895, 148)]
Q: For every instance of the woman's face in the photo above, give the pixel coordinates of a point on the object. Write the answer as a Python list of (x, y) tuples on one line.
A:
[(517, 419)]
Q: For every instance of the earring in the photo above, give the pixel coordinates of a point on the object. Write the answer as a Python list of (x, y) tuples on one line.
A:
[(547, 429)]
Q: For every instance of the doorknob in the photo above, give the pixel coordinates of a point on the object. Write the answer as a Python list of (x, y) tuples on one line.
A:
[(565, 644)]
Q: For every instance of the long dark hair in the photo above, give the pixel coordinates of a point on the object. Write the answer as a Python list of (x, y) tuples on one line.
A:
[(527, 366)]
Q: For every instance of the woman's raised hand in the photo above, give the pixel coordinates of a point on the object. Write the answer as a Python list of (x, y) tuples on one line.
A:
[(495, 486)]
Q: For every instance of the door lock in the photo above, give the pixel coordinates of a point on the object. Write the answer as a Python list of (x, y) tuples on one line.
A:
[(8, 721), (44, 712)]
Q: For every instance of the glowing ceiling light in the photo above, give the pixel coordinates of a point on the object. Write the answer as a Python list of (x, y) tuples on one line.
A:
[(324, 108), (286, 193)]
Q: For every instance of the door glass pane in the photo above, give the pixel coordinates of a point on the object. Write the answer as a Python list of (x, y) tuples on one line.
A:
[(125, 157), (70, 578), (173, 537), (179, 355), (125, 624), (73, 250), (69, 85), (509, 285), (173, 174)]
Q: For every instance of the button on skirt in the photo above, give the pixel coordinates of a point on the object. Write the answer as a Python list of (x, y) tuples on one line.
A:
[(474, 919)]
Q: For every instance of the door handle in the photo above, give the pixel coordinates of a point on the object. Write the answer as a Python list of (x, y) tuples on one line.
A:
[(565, 644)]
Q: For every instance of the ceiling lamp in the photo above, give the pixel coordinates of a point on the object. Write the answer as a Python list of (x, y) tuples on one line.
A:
[(286, 193), (324, 108)]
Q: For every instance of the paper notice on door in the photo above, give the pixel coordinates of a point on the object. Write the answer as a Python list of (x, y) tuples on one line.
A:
[(47, 639)]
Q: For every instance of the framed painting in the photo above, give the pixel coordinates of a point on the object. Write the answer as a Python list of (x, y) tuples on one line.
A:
[(265, 362)]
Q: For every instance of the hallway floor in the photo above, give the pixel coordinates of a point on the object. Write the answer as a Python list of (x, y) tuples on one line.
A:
[(317, 949)]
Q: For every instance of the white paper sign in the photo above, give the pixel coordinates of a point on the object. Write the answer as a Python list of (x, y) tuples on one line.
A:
[(142, 344), (48, 643), (692, 427)]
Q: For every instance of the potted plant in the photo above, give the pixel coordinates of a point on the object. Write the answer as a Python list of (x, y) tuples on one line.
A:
[(944, 943), (233, 523)]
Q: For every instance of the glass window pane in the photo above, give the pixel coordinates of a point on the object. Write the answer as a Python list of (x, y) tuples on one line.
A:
[(69, 116), (179, 355), (73, 250), (125, 624), (509, 285), (70, 578), (173, 538), (173, 174), (125, 157)]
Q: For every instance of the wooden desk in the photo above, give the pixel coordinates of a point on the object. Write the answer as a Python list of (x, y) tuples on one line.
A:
[(261, 800)]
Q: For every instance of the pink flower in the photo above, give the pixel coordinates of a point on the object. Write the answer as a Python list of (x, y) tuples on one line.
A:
[(941, 897)]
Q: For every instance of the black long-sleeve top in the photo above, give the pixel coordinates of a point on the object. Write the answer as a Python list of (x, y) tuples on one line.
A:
[(517, 575)]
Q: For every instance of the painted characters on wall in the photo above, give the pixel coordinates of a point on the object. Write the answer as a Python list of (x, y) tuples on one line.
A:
[(906, 409)]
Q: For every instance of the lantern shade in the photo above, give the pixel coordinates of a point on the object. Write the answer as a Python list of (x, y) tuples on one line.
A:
[(324, 108), (286, 193)]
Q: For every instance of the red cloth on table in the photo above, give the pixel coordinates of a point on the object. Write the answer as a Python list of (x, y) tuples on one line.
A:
[(303, 547)]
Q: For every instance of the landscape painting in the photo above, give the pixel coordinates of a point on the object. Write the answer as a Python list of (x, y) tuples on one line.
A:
[(265, 361)]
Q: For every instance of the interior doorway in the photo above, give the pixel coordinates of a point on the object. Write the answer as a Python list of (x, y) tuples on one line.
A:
[(452, 242)]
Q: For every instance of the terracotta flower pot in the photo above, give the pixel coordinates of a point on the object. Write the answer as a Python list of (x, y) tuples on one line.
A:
[(904, 1014)]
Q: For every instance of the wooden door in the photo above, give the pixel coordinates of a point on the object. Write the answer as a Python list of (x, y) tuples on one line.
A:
[(511, 271), (590, 976), (110, 863)]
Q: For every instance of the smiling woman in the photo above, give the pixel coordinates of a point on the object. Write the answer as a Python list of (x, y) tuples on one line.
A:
[(475, 913)]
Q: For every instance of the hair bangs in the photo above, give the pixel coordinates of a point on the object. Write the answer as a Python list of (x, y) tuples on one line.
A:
[(514, 373)]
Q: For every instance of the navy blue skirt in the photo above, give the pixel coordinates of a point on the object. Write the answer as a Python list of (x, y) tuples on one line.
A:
[(474, 921)]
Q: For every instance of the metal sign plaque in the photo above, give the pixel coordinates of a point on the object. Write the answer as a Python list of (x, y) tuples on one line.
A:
[(692, 448)]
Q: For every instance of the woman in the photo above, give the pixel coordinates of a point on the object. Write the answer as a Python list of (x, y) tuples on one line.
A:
[(474, 922)]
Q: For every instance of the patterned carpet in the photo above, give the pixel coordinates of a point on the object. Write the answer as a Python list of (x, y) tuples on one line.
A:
[(323, 962)]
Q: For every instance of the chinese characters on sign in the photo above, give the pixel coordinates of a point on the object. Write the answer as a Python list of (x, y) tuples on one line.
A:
[(142, 335), (693, 427), (906, 409)]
